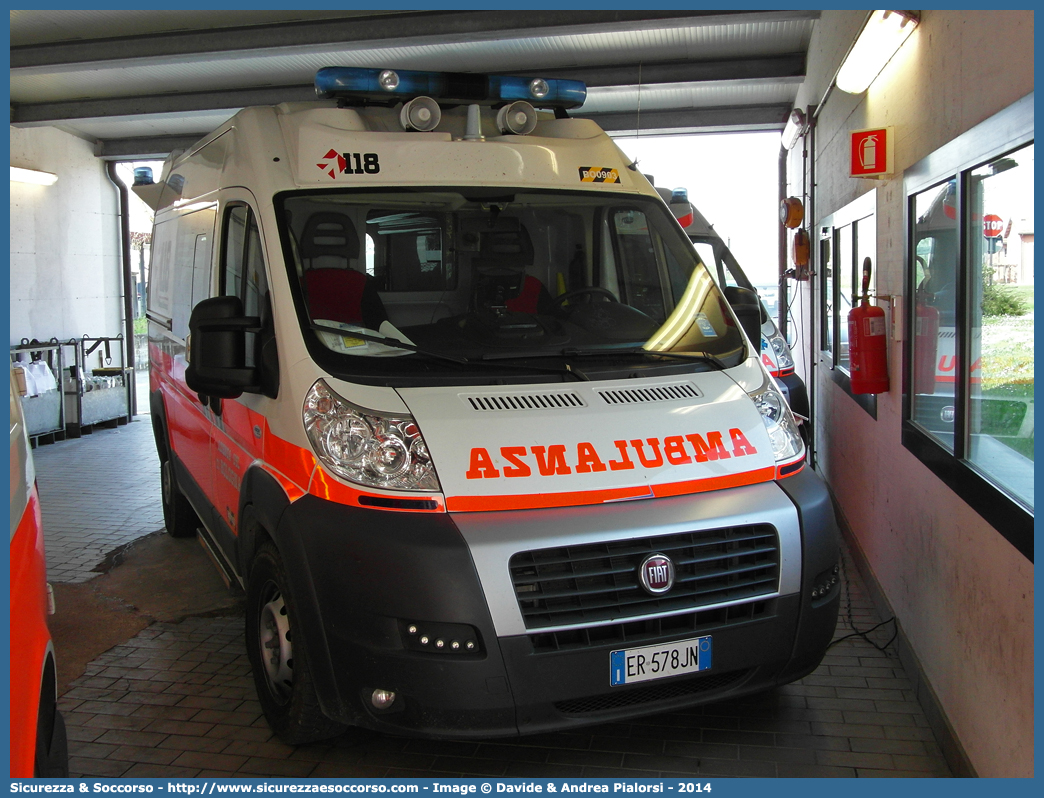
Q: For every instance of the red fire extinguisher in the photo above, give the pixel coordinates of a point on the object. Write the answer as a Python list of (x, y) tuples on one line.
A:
[(868, 343), (926, 346)]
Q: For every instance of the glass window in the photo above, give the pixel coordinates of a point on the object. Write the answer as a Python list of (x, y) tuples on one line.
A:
[(243, 265), (1000, 411), (845, 291), (826, 268), (969, 360), (408, 251), (243, 272), (935, 296), (536, 282), (847, 246)]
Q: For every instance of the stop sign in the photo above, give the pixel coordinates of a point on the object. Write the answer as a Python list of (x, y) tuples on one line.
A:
[(992, 226)]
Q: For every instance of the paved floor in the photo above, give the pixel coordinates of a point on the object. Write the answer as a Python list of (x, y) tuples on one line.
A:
[(177, 699), (97, 493)]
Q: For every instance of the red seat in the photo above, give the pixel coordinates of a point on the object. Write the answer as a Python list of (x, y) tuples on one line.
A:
[(529, 299), (335, 294)]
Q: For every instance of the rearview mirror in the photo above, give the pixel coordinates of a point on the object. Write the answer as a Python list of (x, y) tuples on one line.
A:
[(746, 304), (217, 364)]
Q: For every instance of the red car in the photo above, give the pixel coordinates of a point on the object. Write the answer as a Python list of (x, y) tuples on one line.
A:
[(38, 741)]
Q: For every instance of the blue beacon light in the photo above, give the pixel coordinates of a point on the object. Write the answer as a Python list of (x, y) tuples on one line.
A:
[(386, 84)]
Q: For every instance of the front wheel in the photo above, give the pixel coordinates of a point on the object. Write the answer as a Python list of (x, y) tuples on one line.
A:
[(278, 658)]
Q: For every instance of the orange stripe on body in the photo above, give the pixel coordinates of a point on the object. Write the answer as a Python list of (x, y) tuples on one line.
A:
[(327, 487), (288, 462), (466, 504)]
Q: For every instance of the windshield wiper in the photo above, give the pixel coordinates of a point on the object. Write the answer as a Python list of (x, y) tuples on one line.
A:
[(395, 343), (699, 357)]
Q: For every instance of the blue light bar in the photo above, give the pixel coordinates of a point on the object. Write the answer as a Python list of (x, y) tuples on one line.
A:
[(394, 85)]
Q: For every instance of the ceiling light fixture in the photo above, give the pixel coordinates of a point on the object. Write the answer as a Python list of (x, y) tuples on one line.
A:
[(880, 39), (19, 175)]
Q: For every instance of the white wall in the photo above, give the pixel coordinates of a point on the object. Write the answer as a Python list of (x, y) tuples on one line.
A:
[(65, 250), (963, 595)]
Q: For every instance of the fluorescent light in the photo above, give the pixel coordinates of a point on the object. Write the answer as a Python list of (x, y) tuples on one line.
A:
[(32, 176), (880, 39)]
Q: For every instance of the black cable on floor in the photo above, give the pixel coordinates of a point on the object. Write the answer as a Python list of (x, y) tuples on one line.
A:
[(851, 623)]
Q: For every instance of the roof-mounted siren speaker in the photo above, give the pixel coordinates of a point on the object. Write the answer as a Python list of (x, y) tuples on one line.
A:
[(519, 118), (420, 113)]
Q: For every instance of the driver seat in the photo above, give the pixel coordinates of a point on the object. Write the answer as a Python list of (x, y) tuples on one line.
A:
[(500, 270), (334, 290)]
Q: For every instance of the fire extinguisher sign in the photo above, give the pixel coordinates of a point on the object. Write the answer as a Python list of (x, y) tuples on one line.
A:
[(872, 152)]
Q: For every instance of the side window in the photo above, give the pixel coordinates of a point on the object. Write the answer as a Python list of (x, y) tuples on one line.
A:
[(181, 275), (638, 270), (407, 252), (160, 270), (242, 259)]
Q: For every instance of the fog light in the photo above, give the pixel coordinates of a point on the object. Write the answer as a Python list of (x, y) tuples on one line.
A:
[(382, 699)]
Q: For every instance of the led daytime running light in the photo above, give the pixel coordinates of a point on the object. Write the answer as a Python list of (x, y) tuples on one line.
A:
[(371, 449)]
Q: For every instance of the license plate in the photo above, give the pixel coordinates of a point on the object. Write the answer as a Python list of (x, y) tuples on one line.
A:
[(632, 665)]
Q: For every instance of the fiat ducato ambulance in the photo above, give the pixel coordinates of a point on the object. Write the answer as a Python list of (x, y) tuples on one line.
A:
[(443, 385), (716, 255)]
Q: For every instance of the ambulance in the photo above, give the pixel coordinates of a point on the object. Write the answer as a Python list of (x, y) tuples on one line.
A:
[(443, 386), (775, 351), (39, 744)]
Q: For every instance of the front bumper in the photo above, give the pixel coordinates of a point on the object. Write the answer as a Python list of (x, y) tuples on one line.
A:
[(361, 577)]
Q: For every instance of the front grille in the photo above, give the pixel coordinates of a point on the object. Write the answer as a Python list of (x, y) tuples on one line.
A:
[(650, 630), (650, 694), (594, 582)]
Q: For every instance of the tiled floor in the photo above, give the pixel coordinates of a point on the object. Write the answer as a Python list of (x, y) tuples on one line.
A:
[(178, 699), (97, 493)]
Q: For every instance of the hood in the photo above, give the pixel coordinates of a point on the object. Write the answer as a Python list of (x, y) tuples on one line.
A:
[(591, 442)]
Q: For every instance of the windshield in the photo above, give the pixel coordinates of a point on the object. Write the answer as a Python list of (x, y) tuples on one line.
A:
[(485, 284)]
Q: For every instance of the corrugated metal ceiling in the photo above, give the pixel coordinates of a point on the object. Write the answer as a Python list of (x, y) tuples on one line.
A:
[(173, 77)]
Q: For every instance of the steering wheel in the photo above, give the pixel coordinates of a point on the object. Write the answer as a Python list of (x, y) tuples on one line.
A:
[(591, 290)]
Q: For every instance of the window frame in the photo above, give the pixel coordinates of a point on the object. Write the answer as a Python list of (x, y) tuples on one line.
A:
[(829, 230), (1006, 131)]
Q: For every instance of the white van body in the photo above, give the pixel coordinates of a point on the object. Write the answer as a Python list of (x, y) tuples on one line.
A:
[(528, 473)]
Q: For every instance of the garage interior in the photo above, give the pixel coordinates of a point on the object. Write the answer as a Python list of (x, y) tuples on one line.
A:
[(938, 547)]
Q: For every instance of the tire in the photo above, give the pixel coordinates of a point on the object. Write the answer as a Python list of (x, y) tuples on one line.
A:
[(52, 748), (278, 657), (179, 518)]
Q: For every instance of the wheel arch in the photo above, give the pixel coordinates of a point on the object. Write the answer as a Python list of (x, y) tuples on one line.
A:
[(263, 504)]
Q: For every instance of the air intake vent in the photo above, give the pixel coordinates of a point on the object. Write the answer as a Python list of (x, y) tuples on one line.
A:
[(525, 401), (659, 393)]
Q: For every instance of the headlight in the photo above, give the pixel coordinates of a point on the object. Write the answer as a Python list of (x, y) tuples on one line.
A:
[(782, 430), (783, 353), (376, 450)]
